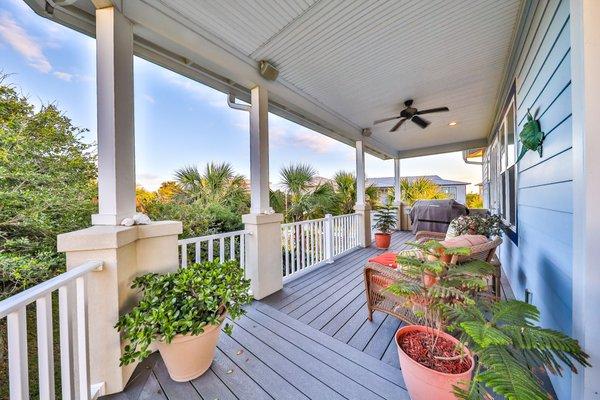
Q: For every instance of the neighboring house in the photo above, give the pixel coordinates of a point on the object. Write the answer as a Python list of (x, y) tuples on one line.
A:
[(455, 189)]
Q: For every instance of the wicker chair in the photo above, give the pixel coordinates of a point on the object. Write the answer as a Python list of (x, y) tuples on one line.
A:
[(378, 277)]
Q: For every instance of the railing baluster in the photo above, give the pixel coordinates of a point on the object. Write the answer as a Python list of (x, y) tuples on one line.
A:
[(211, 250), (297, 234), (17, 354), (286, 264), (232, 248), (198, 251), (184, 255), (222, 249), (83, 367), (45, 345), (66, 351), (243, 252)]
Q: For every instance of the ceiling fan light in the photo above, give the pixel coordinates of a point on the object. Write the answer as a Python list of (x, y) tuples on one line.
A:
[(453, 123)]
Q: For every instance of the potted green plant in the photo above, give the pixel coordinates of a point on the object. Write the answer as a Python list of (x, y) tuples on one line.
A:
[(487, 225), (508, 345), (433, 362), (183, 312), (385, 220)]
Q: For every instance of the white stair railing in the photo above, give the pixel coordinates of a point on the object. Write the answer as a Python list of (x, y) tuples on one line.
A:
[(309, 244), (225, 246), (73, 334)]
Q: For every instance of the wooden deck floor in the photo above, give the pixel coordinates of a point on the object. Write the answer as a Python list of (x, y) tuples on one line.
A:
[(309, 341)]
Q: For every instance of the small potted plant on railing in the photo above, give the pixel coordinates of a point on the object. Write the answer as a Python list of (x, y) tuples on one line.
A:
[(385, 220), (432, 361), (183, 312)]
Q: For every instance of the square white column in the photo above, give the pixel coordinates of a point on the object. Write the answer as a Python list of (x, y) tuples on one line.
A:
[(259, 151), (116, 141), (362, 207)]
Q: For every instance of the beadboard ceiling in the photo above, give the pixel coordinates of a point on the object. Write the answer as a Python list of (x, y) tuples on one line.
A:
[(345, 63)]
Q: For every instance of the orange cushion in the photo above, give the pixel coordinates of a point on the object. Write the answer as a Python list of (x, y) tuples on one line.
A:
[(387, 259)]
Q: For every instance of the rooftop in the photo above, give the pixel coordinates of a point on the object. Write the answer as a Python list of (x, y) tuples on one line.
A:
[(386, 181)]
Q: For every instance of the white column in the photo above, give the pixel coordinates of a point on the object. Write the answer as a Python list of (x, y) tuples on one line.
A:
[(362, 207), (360, 173), (397, 193), (259, 151), (585, 89), (116, 142), (328, 227), (264, 262)]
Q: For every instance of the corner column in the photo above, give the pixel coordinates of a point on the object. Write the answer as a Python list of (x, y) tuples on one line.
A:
[(116, 141), (264, 263), (126, 252), (397, 194), (362, 207), (585, 97)]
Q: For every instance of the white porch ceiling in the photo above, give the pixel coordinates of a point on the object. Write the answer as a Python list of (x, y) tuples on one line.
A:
[(343, 63)]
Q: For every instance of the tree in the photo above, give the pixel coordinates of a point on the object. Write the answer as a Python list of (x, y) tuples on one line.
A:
[(474, 200), (218, 184), (420, 189), (305, 198), (47, 178), (345, 190)]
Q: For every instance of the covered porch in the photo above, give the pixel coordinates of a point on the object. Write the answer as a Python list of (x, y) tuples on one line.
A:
[(341, 68)]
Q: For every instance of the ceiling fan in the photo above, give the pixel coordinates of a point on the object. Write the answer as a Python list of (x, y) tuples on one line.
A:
[(411, 113)]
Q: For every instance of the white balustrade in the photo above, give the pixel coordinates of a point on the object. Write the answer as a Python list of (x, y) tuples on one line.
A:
[(73, 332), (309, 244), (225, 246)]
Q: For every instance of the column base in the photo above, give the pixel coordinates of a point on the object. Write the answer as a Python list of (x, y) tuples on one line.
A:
[(264, 263)]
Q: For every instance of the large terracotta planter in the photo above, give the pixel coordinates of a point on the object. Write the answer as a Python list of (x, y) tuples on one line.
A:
[(187, 357), (382, 240), (425, 383)]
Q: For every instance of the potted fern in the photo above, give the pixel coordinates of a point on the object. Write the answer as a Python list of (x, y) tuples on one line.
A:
[(183, 312), (433, 362), (508, 344), (385, 220)]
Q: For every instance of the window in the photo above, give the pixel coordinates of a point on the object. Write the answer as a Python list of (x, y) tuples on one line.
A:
[(450, 191), (502, 169)]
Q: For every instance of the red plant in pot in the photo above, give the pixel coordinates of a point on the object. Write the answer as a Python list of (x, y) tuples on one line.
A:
[(433, 362)]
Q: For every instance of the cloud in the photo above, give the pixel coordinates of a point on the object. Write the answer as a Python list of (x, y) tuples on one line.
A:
[(198, 90), (65, 76), (20, 41), (150, 181), (284, 133), (150, 99)]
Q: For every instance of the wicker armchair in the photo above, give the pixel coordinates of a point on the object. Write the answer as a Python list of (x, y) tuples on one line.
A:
[(378, 277)]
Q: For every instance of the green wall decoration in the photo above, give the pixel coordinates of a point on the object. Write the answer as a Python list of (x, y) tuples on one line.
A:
[(531, 136)]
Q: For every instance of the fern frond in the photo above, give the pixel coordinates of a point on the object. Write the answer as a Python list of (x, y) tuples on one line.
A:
[(508, 377), (475, 391), (484, 334), (514, 312), (404, 289), (435, 267), (473, 267), (449, 293), (468, 282), (404, 260), (457, 251)]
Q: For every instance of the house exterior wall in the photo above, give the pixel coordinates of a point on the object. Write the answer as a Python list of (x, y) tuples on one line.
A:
[(539, 256)]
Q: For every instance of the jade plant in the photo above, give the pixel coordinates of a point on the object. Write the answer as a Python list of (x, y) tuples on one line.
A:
[(184, 302), (385, 218), (508, 344)]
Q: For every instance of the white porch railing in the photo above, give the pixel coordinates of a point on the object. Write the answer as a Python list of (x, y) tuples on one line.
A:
[(308, 244), (228, 245), (73, 333)]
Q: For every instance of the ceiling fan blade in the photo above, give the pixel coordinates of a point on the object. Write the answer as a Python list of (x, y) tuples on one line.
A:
[(395, 127), (433, 110), (379, 121), (420, 121)]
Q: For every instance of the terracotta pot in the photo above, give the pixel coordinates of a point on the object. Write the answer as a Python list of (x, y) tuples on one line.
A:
[(382, 240), (429, 279), (187, 356), (425, 383)]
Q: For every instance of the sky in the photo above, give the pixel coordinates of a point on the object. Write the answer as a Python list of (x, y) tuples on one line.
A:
[(178, 122)]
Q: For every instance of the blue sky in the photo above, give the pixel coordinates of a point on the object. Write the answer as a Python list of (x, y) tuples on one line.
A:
[(178, 122)]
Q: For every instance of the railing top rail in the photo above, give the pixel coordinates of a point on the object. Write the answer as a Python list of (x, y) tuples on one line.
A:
[(307, 221), (215, 236), (344, 215), (28, 296)]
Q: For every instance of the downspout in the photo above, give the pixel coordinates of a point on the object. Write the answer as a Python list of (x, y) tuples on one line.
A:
[(236, 106), (467, 161)]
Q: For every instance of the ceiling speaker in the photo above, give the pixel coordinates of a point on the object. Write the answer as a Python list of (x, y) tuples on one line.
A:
[(268, 70)]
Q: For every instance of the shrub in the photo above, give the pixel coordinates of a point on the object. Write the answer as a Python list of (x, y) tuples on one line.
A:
[(182, 302)]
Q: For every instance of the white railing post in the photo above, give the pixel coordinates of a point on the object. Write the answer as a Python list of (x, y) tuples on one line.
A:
[(18, 374), (328, 227)]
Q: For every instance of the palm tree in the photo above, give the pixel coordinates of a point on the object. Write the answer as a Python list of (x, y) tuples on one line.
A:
[(420, 189), (305, 198), (218, 184), (345, 190)]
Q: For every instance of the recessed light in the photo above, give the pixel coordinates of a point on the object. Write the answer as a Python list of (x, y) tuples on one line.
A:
[(453, 123)]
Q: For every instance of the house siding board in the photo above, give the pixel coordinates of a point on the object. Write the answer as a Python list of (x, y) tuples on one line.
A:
[(542, 261)]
